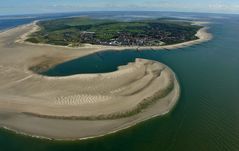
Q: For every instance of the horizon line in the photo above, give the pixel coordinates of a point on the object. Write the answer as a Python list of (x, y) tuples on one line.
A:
[(84, 11)]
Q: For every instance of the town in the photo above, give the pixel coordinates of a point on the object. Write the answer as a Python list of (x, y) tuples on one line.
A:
[(79, 31)]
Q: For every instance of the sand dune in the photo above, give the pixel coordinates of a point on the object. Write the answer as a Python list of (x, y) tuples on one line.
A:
[(73, 96)]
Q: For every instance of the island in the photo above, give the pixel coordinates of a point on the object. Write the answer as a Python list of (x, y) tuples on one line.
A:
[(83, 30), (86, 105)]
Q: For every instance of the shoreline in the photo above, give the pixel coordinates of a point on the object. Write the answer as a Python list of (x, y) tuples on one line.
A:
[(28, 125)]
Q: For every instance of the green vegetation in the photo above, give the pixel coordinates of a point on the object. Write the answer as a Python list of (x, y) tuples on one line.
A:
[(81, 30)]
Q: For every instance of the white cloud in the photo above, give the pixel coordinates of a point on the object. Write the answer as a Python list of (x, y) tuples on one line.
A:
[(224, 7), (220, 6)]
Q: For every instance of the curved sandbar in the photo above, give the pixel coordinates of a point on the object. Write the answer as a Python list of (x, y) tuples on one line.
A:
[(79, 106)]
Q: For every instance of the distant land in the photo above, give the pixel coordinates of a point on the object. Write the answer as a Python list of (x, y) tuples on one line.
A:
[(78, 31)]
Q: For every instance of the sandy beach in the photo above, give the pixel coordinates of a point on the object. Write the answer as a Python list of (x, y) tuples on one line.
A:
[(84, 105)]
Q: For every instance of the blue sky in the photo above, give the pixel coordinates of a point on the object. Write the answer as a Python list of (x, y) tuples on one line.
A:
[(8, 7)]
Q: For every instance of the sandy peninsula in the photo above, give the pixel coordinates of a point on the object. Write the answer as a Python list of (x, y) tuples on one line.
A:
[(84, 105)]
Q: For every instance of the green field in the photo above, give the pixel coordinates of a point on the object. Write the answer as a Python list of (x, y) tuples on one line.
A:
[(81, 30)]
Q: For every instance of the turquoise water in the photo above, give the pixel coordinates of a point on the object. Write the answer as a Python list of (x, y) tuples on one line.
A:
[(205, 119)]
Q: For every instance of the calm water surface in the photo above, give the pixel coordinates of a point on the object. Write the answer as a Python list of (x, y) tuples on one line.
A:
[(205, 119)]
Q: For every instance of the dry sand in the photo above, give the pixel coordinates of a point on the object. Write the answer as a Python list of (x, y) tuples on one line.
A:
[(79, 106)]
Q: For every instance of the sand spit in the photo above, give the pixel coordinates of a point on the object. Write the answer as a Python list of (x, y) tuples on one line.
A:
[(79, 106)]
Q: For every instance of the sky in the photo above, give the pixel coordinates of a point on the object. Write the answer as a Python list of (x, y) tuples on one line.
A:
[(18, 7)]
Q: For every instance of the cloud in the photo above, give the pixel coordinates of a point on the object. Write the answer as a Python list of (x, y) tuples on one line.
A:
[(222, 7)]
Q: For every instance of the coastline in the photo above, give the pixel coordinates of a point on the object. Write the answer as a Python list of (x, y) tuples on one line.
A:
[(73, 53)]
